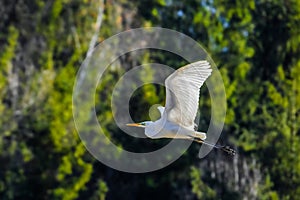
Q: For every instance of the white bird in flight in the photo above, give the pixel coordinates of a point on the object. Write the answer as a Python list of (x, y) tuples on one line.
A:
[(178, 115)]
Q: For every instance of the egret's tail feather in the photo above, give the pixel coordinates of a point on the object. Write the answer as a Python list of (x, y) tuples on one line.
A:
[(200, 135)]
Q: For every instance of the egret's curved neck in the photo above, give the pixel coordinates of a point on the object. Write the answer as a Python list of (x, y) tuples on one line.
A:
[(153, 128)]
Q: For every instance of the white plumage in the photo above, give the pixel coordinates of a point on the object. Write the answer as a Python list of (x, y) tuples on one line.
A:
[(182, 98)]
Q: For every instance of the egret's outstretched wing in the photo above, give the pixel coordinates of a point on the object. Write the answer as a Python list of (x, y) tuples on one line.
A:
[(182, 91)]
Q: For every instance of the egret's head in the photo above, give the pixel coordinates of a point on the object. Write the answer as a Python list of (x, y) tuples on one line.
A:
[(141, 124)]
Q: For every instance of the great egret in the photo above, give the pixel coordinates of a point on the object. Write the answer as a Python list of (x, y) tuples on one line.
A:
[(179, 113)]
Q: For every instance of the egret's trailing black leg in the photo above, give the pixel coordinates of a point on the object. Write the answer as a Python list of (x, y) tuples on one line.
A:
[(226, 149)]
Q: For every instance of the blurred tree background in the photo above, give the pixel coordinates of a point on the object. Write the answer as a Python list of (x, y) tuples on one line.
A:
[(256, 46)]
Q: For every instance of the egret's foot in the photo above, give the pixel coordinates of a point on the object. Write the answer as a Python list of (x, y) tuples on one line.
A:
[(229, 150)]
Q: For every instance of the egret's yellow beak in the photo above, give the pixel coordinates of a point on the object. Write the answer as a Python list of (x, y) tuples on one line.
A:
[(136, 125)]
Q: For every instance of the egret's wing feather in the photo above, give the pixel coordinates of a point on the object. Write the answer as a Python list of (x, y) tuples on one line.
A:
[(182, 91), (161, 110)]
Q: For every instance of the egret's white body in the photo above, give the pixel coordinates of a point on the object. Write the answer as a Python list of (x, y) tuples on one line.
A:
[(182, 98), (163, 128)]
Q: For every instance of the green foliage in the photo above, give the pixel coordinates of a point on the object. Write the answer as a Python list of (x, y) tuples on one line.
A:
[(199, 188), (8, 52), (265, 191), (255, 45), (42, 152), (6, 57), (100, 193)]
